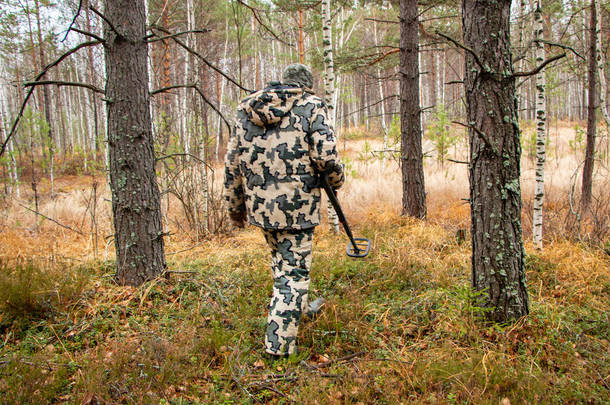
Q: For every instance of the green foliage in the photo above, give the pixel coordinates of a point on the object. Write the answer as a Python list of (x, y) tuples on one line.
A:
[(440, 133)]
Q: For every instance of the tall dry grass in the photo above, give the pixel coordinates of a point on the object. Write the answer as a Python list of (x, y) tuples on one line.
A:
[(370, 187)]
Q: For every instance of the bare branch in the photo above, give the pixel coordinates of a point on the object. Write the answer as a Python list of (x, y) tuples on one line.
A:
[(462, 162), (62, 83), (384, 55), (462, 46), (106, 20), (269, 30), (89, 34), (198, 90), (562, 46), (80, 5), (204, 60), (382, 21), (481, 134), (38, 77), (539, 68), (199, 31)]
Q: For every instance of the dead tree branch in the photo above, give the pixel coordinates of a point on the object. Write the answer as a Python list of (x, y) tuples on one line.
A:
[(537, 69), (563, 46), (177, 34), (200, 92), (37, 78), (482, 134), (62, 83), (204, 60), (464, 47), (265, 26), (382, 21), (106, 20), (80, 6), (89, 34)]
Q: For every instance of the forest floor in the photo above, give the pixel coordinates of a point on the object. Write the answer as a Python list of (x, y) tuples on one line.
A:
[(400, 326)]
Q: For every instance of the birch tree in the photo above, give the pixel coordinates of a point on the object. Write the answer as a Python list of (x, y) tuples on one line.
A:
[(540, 129), (587, 173), (329, 87)]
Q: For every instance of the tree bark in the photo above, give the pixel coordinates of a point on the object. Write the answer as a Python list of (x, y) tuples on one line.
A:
[(587, 172), (498, 270), (540, 130), (413, 188), (135, 194), (329, 88)]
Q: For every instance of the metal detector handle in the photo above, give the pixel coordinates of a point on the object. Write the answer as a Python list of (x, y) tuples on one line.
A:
[(333, 199)]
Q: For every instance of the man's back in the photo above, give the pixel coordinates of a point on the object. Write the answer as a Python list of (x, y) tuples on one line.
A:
[(281, 138)]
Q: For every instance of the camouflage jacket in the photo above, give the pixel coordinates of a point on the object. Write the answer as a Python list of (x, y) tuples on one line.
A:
[(281, 137)]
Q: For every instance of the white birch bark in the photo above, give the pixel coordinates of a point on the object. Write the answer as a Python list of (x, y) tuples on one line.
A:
[(601, 70), (222, 86), (540, 130), (329, 87)]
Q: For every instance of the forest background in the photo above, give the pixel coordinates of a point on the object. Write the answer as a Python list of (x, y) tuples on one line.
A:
[(404, 324)]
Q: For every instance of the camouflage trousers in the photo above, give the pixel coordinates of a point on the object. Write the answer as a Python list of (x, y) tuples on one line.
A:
[(290, 264)]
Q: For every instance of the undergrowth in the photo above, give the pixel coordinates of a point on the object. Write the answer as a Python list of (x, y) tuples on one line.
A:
[(401, 326)]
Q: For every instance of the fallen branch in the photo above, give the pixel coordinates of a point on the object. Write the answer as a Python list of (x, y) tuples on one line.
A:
[(50, 219)]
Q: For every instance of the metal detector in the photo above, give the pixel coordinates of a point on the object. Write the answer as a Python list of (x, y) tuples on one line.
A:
[(358, 247)]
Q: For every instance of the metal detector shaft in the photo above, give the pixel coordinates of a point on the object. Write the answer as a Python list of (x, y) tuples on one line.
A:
[(333, 199)]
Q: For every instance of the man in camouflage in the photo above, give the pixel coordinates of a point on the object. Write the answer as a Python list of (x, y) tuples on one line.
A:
[(282, 140)]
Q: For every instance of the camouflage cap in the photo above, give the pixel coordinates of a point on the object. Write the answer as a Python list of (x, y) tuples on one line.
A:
[(298, 74)]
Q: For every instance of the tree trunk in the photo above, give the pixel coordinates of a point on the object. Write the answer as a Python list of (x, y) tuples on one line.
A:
[(135, 195), (413, 188), (498, 270), (540, 130), (47, 103), (587, 172), (329, 88)]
